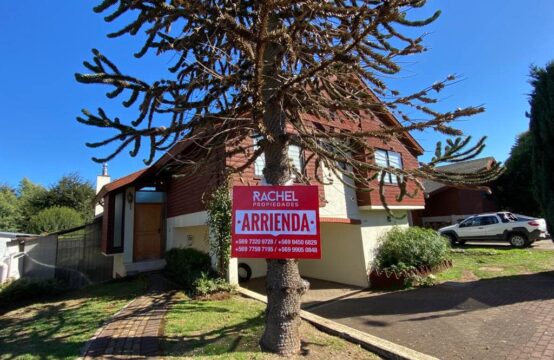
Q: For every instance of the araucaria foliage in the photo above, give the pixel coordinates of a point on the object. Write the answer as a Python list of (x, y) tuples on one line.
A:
[(271, 69), (542, 137)]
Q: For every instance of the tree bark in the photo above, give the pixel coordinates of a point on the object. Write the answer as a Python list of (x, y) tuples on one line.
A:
[(284, 284)]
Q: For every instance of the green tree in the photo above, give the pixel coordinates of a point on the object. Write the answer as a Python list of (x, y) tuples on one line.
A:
[(513, 190), (9, 215), (32, 199), (541, 126), (74, 192), (268, 68), (54, 219)]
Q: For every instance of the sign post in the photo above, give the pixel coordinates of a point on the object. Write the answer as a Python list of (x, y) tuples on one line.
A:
[(276, 222)]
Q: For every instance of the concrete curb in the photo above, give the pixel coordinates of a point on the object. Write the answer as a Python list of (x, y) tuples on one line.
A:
[(372, 343)]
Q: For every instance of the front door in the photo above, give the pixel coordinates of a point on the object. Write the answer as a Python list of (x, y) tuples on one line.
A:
[(147, 243)]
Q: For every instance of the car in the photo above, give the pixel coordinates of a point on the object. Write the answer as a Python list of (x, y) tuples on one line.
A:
[(518, 230)]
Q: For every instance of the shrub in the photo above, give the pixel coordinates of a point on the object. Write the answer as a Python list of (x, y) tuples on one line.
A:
[(206, 285), (410, 248), (185, 266), (55, 219), (28, 290)]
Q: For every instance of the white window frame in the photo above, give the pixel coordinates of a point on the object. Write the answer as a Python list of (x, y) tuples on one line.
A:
[(390, 178)]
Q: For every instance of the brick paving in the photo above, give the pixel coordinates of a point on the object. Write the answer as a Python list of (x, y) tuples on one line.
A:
[(133, 333), (504, 318)]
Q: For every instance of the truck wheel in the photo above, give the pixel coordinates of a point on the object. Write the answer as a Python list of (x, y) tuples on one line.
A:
[(244, 272), (518, 240)]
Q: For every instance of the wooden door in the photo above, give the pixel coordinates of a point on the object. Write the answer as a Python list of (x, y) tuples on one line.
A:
[(147, 243)]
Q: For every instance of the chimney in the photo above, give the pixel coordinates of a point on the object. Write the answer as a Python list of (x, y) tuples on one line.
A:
[(101, 180)]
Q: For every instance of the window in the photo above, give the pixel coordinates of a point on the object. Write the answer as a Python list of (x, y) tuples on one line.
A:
[(294, 153), (386, 158), (489, 220), (118, 221)]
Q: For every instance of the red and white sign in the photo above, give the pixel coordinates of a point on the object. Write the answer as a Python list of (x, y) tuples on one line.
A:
[(276, 222)]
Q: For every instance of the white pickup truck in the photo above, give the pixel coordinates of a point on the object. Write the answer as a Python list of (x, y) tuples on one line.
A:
[(502, 226)]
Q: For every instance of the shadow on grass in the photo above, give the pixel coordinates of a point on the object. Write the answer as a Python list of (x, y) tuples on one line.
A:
[(60, 326)]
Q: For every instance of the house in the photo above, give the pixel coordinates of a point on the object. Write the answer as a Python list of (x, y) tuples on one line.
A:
[(161, 207), (446, 204), (11, 255)]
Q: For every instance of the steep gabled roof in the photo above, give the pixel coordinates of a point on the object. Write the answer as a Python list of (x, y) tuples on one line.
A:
[(119, 183)]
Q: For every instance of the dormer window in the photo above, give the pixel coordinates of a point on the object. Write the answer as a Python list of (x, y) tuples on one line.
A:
[(387, 158)]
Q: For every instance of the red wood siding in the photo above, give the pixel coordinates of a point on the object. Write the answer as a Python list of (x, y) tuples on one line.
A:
[(454, 201), (186, 194)]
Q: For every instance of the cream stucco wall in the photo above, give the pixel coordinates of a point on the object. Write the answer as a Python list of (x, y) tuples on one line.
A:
[(340, 199), (374, 224), (342, 257), (195, 237), (173, 237)]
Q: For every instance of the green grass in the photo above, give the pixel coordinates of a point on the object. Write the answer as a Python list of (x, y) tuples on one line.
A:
[(479, 263), (59, 328), (231, 329)]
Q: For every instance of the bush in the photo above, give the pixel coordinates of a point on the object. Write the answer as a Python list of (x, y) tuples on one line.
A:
[(206, 285), (185, 266), (411, 248), (28, 290), (54, 219)]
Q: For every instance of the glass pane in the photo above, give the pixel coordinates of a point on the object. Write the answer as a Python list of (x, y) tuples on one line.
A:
[(381, 158), (118, 221), (395, 160), (259, 164), (149, 197), (294, 153)]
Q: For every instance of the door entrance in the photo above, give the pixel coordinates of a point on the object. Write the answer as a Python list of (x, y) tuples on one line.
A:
[(147, 243)]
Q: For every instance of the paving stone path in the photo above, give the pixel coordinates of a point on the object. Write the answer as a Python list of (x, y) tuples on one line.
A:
[(510, 318), (133, 333)]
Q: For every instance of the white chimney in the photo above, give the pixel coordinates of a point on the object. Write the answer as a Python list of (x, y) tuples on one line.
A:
[(101, 180)]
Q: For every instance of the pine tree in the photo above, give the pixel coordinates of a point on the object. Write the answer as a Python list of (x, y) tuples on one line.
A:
[(542, 133), (266, 67)]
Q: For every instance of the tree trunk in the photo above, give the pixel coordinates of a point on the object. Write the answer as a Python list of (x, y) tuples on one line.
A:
[(284, 284)]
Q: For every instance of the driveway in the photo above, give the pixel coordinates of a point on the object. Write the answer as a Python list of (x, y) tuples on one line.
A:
[(502, 318), (320, 292)]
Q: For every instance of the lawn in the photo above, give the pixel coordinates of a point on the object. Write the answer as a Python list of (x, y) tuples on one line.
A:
[(485, 263), (231, 328), (58, 329)]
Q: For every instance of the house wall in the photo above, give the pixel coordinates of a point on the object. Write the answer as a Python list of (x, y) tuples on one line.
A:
[(452, 201), (174, 237), (342, 257), (374, 225), (198, 238)]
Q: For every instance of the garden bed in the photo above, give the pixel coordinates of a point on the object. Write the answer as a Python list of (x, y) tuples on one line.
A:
[(385, 279)]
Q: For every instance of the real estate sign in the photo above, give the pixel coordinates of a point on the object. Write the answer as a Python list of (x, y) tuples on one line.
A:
[(276, 222)]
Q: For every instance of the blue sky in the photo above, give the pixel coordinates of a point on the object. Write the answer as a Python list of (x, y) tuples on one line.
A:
[(491, 44)]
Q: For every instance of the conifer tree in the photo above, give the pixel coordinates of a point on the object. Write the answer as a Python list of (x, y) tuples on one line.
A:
[(267, 67), (542, 133)]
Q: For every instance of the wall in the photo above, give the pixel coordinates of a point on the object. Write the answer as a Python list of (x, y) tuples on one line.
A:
[(340, 199), (199, 238), (173, 236), (342, 256), (374, 225)]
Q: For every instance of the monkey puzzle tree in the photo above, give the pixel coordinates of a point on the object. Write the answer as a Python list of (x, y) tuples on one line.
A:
[(266, 68)]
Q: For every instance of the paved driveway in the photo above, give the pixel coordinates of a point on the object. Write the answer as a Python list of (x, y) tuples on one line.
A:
[(503, 318)]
